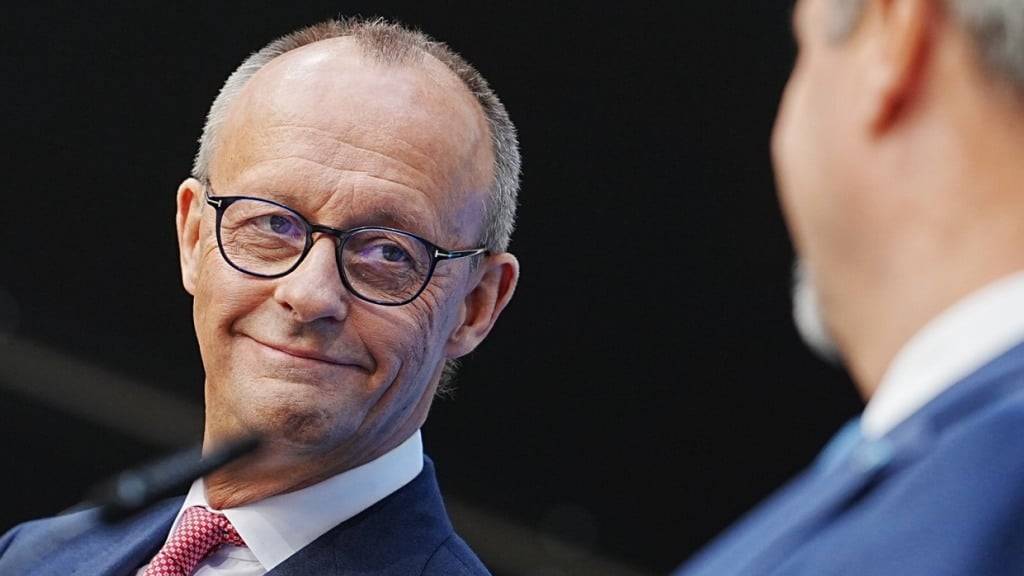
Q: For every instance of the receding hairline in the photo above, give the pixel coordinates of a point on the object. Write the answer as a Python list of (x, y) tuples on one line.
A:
[(391, 42), (413, 58), (467, 177)]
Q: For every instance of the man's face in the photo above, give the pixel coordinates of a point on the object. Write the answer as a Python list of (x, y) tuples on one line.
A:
[(813, 130), (345, 143), (813, 157)]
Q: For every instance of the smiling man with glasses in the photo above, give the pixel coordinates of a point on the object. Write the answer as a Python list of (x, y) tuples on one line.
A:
[(344, 237)]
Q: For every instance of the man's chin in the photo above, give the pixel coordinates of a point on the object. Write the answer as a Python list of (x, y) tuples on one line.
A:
[(808, 316), (307, 432), (294, 426)]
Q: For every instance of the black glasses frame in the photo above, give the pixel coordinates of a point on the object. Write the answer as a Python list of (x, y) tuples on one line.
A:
[(221, 204)]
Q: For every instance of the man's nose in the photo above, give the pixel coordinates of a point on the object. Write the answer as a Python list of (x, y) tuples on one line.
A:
[(314, 291)]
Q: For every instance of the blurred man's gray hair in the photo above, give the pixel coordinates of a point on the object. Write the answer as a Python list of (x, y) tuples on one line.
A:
[(996, 26)]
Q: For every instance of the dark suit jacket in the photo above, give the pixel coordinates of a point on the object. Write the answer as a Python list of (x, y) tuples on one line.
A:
[(941, 494), (406, 533)]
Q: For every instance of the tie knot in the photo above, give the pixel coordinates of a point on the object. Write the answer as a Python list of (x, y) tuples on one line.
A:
[(198, 534), (199, 522)]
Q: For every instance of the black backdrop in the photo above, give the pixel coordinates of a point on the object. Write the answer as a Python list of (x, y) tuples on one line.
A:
[(644, 387)]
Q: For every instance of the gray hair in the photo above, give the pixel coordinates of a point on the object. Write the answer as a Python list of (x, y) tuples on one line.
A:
[(996, 26), (391, 43)]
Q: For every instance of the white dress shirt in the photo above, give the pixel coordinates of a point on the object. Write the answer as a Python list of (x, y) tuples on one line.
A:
[(957, 342), (277, 527)]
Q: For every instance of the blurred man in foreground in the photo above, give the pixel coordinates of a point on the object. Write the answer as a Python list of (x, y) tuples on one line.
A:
[(898, 150), (343, 236)]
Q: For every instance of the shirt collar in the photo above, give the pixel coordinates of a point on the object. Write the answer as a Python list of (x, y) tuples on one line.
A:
[(950, 347), (277, 527)]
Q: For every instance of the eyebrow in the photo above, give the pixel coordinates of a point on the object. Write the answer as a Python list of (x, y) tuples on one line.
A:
[(380, 214)]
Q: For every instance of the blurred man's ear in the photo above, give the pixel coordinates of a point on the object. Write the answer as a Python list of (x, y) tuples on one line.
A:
[(898, 41), (497, 277), (187, 220)]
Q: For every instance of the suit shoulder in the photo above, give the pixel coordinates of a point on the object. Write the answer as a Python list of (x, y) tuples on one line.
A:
[(454, 557), (981, 447), (36, 537), (50, 526), (999, 419), (7, 538)]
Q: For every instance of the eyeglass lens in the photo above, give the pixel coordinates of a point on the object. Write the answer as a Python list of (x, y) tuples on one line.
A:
[(380, 265)]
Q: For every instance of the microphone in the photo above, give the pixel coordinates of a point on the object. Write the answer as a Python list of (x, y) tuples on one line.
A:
[(133, 490)]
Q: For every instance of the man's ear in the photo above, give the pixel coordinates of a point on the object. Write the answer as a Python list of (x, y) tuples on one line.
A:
[(187, 220), (497, 278), (897, 51)]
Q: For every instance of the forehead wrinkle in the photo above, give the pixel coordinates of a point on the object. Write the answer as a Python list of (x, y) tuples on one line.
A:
[(429, 158), (377, 208), (386, 215), (342, 204), (341, 171), (453, 222), (340, 143)]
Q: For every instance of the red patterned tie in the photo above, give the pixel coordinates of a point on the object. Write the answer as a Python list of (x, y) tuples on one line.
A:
[(199, 533)]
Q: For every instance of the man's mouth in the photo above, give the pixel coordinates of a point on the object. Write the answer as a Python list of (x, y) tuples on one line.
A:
[(310, 354)]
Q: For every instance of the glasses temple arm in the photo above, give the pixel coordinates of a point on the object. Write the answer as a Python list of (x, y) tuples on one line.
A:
[(453, 254)]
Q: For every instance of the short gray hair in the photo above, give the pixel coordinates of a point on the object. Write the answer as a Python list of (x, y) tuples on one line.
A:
[(391, 43), (996, 26)]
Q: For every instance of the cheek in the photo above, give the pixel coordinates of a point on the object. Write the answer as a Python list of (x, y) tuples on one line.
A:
[(399, 338), (417, 352), (223, 296), (408, 339)]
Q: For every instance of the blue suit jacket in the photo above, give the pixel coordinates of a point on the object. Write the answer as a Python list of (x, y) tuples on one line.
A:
[(942, 494), (406, 533)]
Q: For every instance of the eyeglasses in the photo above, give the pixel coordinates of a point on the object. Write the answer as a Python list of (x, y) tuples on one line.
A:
[(378, 264)]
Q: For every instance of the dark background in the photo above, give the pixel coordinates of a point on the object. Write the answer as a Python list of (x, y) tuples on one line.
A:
[(644, 388)]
